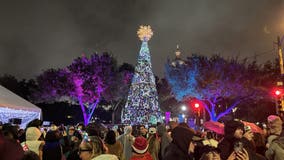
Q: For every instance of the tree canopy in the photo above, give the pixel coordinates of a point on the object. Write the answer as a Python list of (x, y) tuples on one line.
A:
[(214, 80)]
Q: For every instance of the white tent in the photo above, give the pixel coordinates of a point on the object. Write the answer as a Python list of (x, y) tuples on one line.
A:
[(13, 106)]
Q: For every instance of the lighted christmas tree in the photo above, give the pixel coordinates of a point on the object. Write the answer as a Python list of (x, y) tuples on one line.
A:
[(142, 102)]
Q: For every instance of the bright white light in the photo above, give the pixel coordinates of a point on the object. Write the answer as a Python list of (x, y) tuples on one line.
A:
[(163, 117), (183, 108), (25, 116), (183, 115)]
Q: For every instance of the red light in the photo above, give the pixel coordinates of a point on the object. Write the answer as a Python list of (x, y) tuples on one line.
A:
[(277, 92), (196, 105)]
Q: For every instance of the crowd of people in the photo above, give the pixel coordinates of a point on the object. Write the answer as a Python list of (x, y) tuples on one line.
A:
[(175, 141)]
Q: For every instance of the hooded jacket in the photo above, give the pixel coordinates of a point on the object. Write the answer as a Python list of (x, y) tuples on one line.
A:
[(178, 148), (165, 139), (126, 140), (276, 150), (226, 146)]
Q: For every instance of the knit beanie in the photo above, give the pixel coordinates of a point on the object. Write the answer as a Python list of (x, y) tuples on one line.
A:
[(275, 124)]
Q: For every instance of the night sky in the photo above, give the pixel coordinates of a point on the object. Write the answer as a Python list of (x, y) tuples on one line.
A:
[(37, 35)]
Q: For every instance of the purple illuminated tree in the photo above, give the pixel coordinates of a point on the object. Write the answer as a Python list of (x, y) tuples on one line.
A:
[(116, 93), (83, 81), (221, 84)]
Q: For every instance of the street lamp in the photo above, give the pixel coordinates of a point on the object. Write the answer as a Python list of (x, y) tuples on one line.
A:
[(183, 108)]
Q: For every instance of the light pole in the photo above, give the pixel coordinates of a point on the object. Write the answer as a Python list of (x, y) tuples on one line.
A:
[(280, 82)]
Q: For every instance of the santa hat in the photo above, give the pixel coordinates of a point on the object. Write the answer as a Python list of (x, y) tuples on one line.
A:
[(140, 145)]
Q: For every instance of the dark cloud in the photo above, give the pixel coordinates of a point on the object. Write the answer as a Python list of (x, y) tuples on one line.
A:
[(36, 35)]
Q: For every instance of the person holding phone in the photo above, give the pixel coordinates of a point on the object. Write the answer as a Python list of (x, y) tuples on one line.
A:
[(231, 146)]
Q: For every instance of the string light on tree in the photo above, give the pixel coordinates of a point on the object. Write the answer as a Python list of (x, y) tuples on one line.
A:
[(142, 103)]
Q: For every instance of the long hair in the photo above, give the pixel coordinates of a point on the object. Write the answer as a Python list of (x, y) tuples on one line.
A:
[(110, 137)]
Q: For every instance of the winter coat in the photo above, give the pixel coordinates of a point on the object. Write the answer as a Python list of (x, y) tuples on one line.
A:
[(126, 140), (145, 156), (276, 150), (165, 139), (178, 148), (52, 150)]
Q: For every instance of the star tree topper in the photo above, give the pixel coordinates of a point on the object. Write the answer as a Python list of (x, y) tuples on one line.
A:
[(145, 33)]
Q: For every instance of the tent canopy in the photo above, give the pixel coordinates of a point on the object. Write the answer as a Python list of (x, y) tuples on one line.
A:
[(13, 106)]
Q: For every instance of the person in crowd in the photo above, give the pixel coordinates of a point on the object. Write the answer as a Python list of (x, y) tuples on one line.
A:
[(275, 128), (143, 131), (21, 135), (181, 146), (209, 140), (210, 153), (127, 140), (172, 125), (90, 147), (10, 132), (52, 148), (10, 148), (35, 123), (114, 147), (259, 142), (275, 149), (231, 146), (33, 134), (165, 139), (30, 155), (140, 149), (75, 141), (115, 129), (154, 143)]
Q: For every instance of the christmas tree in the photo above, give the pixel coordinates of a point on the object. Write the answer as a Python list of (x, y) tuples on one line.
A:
[(142, 102)]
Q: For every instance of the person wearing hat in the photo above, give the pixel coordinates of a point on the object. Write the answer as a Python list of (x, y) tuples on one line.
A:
[(140, 149), (127, 139), (154, 143), (232, 146), (275, 144), (182, 146)]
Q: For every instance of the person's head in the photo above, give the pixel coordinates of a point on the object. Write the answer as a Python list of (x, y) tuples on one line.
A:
[(182, 137), (210, 153), (35, 123), (142, 130), (173, 124), (71, 130), (140, 145), (90, 148), (10, 131), (274, 124), (127, 130), (234, 129), (110, 137), (52, 136), (30, 155), (80, 126), (33, 134)]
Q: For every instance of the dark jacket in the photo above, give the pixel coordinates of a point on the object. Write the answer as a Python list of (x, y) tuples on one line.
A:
[(178, 148)]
